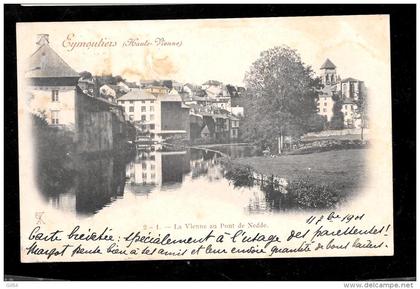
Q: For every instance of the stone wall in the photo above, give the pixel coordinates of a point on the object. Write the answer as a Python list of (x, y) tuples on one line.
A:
[(340, 132), (100, 126)]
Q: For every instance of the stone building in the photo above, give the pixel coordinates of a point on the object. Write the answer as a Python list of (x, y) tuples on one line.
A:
[(97, 125), (157, 111), (51, 85), (346, 90)]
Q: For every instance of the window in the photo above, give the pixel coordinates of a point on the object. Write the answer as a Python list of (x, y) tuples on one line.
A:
[(152, 101), (122, 101), (325, 110), (152, 176), (131, 109), (325, 104), (143, 109), (152, 126), (152, 117), (54, 95), (152, 167), (131, 101), (55, 117), (144, 175), (152, 108), (143, 117), (142, 101), (144, 166)]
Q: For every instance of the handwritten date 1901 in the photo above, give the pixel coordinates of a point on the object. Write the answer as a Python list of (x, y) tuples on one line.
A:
[(333, 216)]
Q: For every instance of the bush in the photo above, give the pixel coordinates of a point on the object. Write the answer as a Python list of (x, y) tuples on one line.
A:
[(240, 175), (309, 195)]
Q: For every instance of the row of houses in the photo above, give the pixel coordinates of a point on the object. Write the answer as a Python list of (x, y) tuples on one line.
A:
[(162, 109), (100, 110), (162, 113), (159, 109)]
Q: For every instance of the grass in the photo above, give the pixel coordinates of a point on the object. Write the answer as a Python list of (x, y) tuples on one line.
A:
[(343, 170)]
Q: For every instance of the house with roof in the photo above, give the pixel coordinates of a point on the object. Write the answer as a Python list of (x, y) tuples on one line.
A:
[(53, 89), (346, 90), (213, 124), (112, 92), (156, 111), (51, 85)]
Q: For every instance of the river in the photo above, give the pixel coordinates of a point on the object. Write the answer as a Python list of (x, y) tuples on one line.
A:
[(177, 179)]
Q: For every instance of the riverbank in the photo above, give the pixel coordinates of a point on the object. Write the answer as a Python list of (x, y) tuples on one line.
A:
[(219, 145), (342, 170)]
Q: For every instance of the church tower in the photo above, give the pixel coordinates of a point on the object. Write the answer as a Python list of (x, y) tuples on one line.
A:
[(329, 76)]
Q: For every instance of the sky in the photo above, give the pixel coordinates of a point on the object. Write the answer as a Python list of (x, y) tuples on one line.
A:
[(219, 49)]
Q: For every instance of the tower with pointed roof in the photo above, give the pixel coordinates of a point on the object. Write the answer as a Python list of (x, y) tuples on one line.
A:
[(329, 76), (51, 84)]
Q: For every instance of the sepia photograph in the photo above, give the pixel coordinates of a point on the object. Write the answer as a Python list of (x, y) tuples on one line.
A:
[(207, 138)]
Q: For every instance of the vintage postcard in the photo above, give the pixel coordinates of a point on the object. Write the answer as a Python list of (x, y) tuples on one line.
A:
[(205, 139)]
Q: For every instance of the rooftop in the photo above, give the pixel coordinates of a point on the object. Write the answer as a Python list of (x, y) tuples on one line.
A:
[(45, 62), (328, 64), (137, 94), (349, 79)]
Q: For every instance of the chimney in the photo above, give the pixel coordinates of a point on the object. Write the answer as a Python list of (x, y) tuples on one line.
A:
[(43, 39)]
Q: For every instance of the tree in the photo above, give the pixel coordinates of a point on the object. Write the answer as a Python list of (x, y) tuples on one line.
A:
[(361, 108), (280, 97), (337, 120), (86, 75), (316, 123)]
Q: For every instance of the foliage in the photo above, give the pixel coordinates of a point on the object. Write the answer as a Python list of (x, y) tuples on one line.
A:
[(362, 107), (54, 148), (329, 145), (86, 75), (316, 123), (240, 175), (308, 194), (337, 120), (118, 78), (280, 97), (301, 192)]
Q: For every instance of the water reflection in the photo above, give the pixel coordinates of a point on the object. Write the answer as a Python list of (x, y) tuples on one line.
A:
[(270, 201), (152, 169), (99, 182)]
